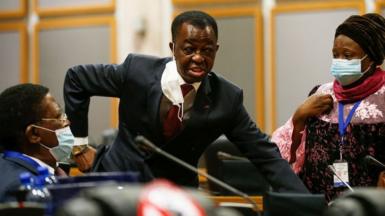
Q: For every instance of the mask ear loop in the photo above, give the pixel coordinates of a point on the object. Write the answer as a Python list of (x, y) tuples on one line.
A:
[(367, 69), (173, 51), (50, 151), (180, 112), (44, 146), (41, 144)]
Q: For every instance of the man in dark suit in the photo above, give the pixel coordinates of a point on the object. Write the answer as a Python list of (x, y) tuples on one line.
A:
[(34, 133), (149, 88)]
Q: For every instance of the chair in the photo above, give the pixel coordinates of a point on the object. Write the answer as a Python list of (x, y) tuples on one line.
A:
[(69, 187), (294, 204), (361, 202), (108, 137), (128, 199), (240, 174)]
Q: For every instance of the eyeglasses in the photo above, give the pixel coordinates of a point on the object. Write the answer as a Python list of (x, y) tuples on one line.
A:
[(62, 119), (206, 52)]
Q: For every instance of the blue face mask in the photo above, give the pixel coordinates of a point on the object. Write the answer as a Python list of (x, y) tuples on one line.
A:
[(347, 71), (66, 140)]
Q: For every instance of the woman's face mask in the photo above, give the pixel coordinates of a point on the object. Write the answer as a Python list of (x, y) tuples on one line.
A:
[(66, 140), (347, 71)]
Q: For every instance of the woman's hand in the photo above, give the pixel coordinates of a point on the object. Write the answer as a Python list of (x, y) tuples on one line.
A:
[(314, 105)]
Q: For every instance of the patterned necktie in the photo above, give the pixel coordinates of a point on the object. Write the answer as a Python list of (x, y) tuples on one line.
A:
[(172, 124)]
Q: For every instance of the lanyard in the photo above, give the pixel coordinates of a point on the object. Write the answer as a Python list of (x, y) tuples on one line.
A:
[(342, 125), (18, 155)]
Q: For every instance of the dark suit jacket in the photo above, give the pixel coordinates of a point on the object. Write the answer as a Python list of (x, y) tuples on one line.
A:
[(218, 109), (10, 169)]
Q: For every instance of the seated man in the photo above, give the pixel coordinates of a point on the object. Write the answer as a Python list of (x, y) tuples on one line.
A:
[(34, 132)]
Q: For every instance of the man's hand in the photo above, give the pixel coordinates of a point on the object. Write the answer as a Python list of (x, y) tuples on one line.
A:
[(84, 158)]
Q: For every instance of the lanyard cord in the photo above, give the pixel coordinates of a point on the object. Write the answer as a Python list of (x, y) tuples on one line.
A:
[(342, 125)]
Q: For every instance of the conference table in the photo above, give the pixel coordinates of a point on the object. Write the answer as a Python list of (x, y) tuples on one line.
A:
[(232, 201), (228, 200), (218, 200)]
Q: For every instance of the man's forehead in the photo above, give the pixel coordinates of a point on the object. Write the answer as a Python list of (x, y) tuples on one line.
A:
[(191, 32), (50, 106), (205, 40)]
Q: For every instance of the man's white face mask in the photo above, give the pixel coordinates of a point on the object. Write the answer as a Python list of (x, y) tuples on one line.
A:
[(66, 140)]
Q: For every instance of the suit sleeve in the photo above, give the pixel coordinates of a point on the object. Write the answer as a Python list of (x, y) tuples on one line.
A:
[(255, 144), (84, 81)]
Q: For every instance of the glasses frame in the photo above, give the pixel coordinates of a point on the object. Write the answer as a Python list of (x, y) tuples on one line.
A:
[(62, 119)]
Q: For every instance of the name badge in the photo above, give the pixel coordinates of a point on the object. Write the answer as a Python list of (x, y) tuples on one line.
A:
[(341, 169)]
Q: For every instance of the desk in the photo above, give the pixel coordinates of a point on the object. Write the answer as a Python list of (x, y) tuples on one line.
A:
[(237, 199), (230, 199), (74, 171)]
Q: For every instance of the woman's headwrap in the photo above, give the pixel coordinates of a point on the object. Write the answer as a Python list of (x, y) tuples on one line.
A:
[(369, 32)]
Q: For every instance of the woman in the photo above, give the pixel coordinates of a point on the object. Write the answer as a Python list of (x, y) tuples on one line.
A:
[(342, 121)]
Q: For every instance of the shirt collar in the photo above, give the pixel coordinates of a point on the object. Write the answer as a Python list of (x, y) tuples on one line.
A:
[(51, 170)]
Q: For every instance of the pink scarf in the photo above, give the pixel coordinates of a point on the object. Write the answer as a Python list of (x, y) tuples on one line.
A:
[(369, 86)]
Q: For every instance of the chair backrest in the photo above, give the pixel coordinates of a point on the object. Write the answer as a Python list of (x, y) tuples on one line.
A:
[(277, 204), (69, 187), (108, 137), (129, 199), (362, 202), (240, 174)]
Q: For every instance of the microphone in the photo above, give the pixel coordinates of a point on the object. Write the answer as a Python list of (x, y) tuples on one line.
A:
[(373, 161), (226, 156), (142, 141), (331, 167)]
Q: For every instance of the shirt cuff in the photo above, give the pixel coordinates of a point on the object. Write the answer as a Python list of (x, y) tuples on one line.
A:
[(81, 141)]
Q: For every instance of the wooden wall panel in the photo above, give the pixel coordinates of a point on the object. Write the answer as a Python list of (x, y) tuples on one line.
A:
[(13, 54), (62, 43), (12, 8), (302, 39), (72, 7), (380, 7)]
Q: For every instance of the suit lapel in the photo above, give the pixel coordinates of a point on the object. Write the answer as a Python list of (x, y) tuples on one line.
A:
[(153, 101), (202, 105)]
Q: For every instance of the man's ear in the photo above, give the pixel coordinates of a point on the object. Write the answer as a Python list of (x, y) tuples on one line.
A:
[(32, 134)]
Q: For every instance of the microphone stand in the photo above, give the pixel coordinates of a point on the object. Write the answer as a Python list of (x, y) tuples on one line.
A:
[(335, 173), (374, 161), (226, 156), (141, 140)]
